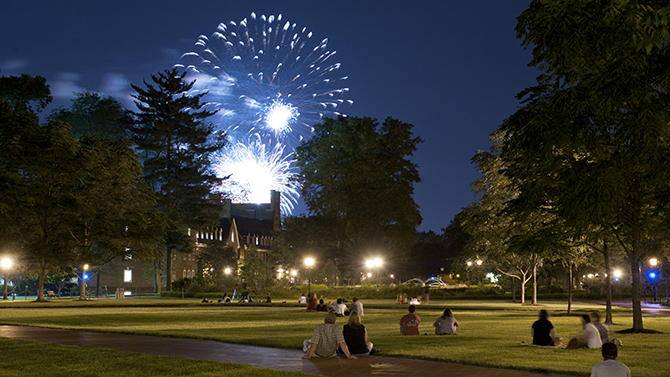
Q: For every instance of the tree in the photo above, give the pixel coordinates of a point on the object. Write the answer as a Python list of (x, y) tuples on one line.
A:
[(37, 190), (507, 241), (256, 273), (177, 145), (93, 114), (358, 174), (591, 141), (114, 213), (212, 261)]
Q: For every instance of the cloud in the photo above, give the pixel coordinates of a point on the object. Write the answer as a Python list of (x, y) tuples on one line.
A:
[(65, 85), (12, 66)]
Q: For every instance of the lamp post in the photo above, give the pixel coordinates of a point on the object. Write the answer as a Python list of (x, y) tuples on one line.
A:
[(309, 262), (84, 276), (6, 264), (378, 263), (653, 262)]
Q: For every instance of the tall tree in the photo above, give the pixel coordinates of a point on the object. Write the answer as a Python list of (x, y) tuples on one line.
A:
[(93, 114), (511, 243), (115, 214), (37, 191), (359, 172), (177, 144), (591, 141)]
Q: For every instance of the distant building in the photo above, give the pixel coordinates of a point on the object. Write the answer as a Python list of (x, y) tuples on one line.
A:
[(242, 225)]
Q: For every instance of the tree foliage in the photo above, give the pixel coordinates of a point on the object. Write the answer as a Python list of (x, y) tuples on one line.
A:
[(357, 174), (93, 114), (591, 141), (177, 144)]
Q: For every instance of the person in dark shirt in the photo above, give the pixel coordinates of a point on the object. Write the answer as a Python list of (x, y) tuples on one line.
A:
[(356, 336), (543, 331)]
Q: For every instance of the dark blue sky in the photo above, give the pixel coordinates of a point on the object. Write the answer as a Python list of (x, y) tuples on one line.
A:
[(451, 68)]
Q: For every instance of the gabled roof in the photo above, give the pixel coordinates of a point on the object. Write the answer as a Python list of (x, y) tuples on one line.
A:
[(246, 226)]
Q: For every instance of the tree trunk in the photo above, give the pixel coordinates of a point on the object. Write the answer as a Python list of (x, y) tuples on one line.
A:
[(570, 289), (82, 287), (636, 281), (523, 289), (534, 281), (40, 283), (513, 289), (168, 269), (608, 284)]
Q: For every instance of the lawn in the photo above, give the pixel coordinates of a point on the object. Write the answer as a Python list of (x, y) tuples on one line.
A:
[(23, 358), (490, 334)]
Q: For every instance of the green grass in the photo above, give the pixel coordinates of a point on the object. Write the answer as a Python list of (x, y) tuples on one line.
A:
[(490, 334), (25, 358)]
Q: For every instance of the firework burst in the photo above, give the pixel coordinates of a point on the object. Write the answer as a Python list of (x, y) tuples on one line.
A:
[(255, 169), (271, 82)]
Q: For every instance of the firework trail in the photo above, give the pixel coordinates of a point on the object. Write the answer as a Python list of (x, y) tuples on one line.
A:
[(270, 82)]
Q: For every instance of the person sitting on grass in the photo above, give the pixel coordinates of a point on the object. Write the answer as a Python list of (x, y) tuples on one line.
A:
[(356, 336), (312, 301), (602, 329), (339, 308), (610, 367), (302, 299), (225, 298), (325, 339), (321, 307), (356, 306), (409, 324), (543, 331), (590, 338), (446, 324)]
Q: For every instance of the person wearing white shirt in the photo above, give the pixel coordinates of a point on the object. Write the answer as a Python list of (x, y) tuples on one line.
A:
[(339, 308), (610, 367), (356, 306)]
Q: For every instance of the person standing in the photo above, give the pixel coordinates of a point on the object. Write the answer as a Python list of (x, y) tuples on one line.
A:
[(409, 324), (325, 339), (610, 367)]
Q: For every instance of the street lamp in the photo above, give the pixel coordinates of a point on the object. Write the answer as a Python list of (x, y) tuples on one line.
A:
[(6, 264), (84, 276), (309, 262), (617, 275), (653, 275)]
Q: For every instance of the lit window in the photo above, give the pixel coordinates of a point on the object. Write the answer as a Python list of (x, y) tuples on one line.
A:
[(128, 276)]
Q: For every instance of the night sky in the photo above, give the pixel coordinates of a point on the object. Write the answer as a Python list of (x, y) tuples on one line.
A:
[(450, 68)]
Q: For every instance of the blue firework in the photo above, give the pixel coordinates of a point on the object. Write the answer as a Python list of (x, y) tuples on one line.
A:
[(266, 76), (270, 81)]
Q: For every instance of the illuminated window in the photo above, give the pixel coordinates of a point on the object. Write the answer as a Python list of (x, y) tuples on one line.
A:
[(128, 276)]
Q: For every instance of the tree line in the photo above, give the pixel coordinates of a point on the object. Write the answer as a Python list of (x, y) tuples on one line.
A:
[(581, 168)]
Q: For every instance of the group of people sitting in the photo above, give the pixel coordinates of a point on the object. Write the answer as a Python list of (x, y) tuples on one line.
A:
[(444, 325), (594, 335), (339, 308), (328, 339)]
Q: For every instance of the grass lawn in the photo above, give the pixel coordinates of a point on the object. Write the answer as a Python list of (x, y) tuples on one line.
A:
[(490, 333), (24, 358)]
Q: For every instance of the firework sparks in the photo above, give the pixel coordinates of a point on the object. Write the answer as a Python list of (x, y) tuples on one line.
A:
[(270, 81), (255, 169)]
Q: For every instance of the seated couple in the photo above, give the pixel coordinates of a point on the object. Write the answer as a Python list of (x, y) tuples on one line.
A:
[(327, 336)]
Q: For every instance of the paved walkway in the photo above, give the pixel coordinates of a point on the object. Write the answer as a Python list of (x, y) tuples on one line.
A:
[(273, 358)]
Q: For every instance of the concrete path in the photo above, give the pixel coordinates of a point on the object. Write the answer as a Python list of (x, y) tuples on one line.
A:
[(272, 358)]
